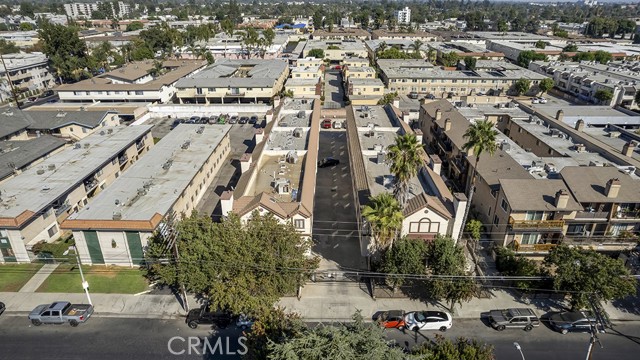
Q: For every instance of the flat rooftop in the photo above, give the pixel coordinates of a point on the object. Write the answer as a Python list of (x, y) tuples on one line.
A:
[(367, 116), (294, 120), (18, 154), (377, 141), (591, 114), (154, 183), (365, 82), (345, 45), (612, 137), (297, 105), (411, 69), (289, 139), (236, 73), (380, 179), (38, 187), (275, 169), (498, 35)]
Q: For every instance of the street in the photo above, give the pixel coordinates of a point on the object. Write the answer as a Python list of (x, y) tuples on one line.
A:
[(118, 338)]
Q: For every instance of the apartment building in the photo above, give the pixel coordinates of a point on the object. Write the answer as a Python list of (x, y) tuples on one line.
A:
[(309, 62), (364, 91), (133, 82), (22, 39), (463, 50), (19, 155), (304, 88), (363, 72), (161, 188), (85, 10), (72, 125), (234, 81), (29, 74), (584, 79), (422, 77), (341, 34), (403, 16), (431, 208), (223, 46), (353, 62), (512, 49), (403, 45), (381, 34), (279, 177), (307, 72), (336, 50), (36, 201)]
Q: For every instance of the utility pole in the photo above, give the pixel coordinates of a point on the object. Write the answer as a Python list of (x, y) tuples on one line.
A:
[(13, 90), (171, 238), (594, 328), (85, 284)]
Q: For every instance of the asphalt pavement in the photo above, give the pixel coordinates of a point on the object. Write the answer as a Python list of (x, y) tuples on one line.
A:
[(111, 338)]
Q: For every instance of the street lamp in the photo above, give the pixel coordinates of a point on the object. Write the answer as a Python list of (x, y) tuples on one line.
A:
[(519, 349), (85, 284)]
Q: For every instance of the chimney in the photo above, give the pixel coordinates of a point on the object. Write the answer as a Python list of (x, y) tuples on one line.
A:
[(419, 135), (629, 148), (226, 202), (562, 199), (579, 124), (245, 162), (396, 103), (613, 188), (447, 124), (459, 207), (559, 115), (438, 114), (436, 163)]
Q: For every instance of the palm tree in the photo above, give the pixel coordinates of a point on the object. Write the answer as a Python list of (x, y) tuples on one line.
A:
[(431, 54), (404, 158), (384, 215), (416, 46), (228, 28), (481, 138)]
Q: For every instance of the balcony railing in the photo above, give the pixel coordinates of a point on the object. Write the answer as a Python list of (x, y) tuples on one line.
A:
[(235, 94), (123, 159), (533, 247), (90, 185), (61, 208), (536, 224), (600, 241), (603, 215), (445, 146), (627, 214)]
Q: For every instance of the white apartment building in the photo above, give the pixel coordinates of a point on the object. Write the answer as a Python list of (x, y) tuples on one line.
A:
[(403, 16), (85, 10), (28, 72)]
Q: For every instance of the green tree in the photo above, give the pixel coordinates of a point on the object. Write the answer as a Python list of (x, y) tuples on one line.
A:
[(157, 69), (26, 9), (416, 46), (353, 340), (459, 349), (444, 257), (384, 215), (545, 85), (8, 47), (540, 44), (209, 58), (481, 138), (431, 54), (135, 25), (316, 53), (136, 51), (228, 27), (66, 52), (407, 256), (570, 48), (317, 19), (584, 272), (449, 59), (244, 268), (604, 96), (388, 98), (272, 326), (510, 264), (404, 159), (527, 56), (474, 229), (522, 86), (26, 26), (470, 62), (502, 26)]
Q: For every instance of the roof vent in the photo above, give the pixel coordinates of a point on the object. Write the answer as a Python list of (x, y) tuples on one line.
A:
[(61, 114), (117, 215), (40, 172), (186, 145), (102, 133), (86, 145), (200, 130), (77, 146), (167, 164), (52, 166), (109, 131), (46, 187)]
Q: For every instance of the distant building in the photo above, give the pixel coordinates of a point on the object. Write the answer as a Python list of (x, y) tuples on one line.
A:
[(403, 16), (336, 50), (85, 10), (165, 185), (29, 73), (364, 91), (341, 34), (18, 156), (35, 202), (22, 39)]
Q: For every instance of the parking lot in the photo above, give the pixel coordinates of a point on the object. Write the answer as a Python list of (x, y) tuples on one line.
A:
[(241, 139)]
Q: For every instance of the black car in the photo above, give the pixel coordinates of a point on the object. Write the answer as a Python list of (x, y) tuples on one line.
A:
[(576, 321), (2, 307), (253, 120), (327, 162), (243, 120), (176, 122), (204, 315)]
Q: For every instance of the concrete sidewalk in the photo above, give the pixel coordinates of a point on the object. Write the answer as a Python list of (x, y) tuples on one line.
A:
[(36, 280)]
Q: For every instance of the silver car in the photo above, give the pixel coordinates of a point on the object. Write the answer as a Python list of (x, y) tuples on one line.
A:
[(522, 318)]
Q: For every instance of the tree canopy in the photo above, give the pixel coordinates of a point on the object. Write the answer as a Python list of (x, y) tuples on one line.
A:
[(545, 85), (66, 52), (459, 349), (444, 257), (604, 95), (244, 268), (316, 53), (527, 56), (600, 56), (585, 272), (407, 256), (522, 86)]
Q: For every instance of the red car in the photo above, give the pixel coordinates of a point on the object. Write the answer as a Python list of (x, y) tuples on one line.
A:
[(391, 319), (338, 67), (326, 124)]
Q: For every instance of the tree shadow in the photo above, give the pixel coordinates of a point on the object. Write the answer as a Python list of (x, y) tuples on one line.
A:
[(629, 304), (613, 331)]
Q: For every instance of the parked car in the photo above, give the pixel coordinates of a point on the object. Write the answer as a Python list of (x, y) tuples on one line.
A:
[(337, 67), (428, 320), (413, 95), (243, 120), (326, 124), (523, 318), (176, 122), (195, 119), (337, 125), (205, 315), (204, 120), (391, 319), (61, 312), (542, 100), (253, 119), (33, 98), (233, 120), (534, 100), (2, 307), (431, 97), (213, 120), (576, 321), (327, 162), (244, 322)]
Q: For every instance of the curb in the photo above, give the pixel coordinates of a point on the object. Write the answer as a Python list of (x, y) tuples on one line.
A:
[(109, 315)]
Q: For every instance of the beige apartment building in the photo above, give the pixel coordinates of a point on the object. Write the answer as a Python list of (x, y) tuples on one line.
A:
[(304, 88), (234, 81), (161, 188), (36, 201), (364, 91), (359, 72)]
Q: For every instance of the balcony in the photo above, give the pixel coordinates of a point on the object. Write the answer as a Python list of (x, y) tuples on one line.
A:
[(90, 185), (592, 215), (123, 159), (600, 242), (139, 145), (627, 214), (445, 146), (459, 164), (536, 225), (61, 208), (533, 248), (237, 94)]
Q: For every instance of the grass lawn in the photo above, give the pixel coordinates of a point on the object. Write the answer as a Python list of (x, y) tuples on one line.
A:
[(101, 279), (57, 249), (14, 276)]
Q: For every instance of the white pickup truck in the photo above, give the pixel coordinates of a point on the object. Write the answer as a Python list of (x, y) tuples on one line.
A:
[(60, 312)]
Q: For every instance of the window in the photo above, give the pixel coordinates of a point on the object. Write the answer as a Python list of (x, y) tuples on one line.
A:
[(534, 215), (576, 229), (139, 92), (496, 220), (529, 238), (424, 226), (52, 230), (504, 205), (494, 193), (298, 223)]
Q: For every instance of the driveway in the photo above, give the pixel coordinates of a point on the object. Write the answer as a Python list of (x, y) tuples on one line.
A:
[(335, 235), (333, 89)]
